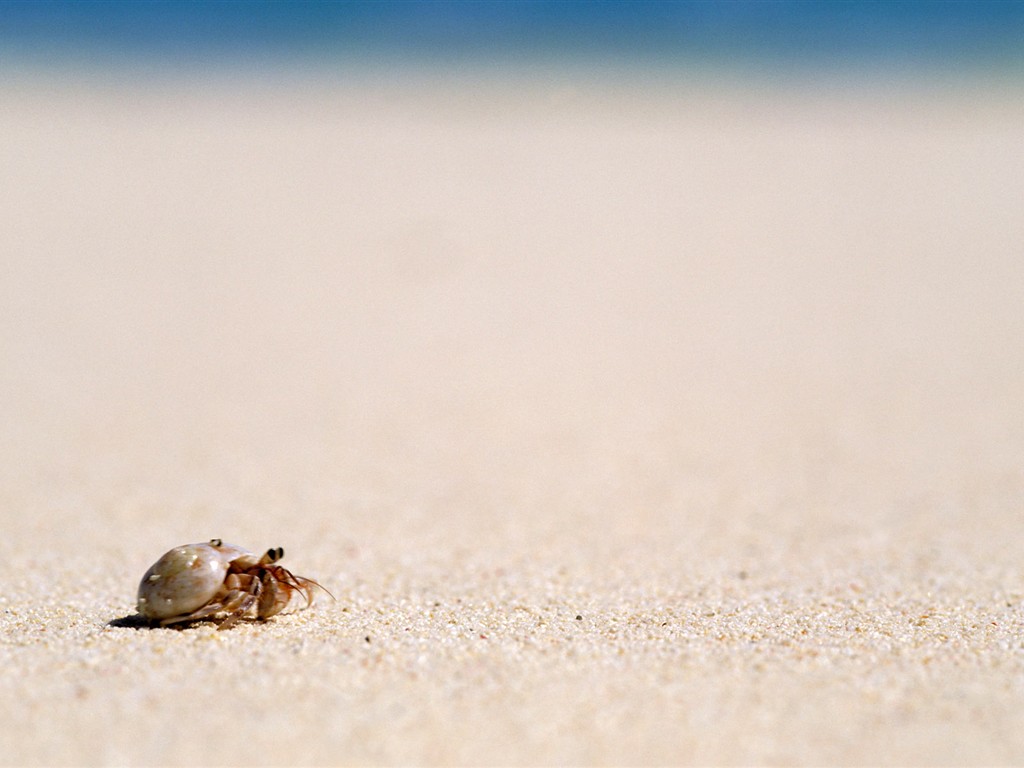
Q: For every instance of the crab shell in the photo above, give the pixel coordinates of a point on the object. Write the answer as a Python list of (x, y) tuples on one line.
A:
[(188, 578)]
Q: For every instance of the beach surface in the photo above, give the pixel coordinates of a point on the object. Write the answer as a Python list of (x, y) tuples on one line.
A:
[(653, 422)]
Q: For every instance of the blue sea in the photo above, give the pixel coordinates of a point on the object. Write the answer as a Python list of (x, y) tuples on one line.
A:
[(740, 34)]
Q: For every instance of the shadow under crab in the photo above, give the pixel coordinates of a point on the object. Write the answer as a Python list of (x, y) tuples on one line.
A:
[(132, 621), (138, 621)]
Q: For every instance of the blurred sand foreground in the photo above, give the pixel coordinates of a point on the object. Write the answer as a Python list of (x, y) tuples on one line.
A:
[(628, 424)]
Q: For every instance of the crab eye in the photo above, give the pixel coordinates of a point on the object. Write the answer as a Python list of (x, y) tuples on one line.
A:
[(215, 542), (273, 555)]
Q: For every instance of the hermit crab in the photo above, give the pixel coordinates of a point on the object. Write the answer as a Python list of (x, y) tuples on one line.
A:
[(201, 581)]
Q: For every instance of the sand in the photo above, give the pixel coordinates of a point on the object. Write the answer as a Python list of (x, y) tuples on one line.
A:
[(628, 421)]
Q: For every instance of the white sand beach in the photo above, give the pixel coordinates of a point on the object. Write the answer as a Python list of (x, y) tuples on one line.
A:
[(629, 423)]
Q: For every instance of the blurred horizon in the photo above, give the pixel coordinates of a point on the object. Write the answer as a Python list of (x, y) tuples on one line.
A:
[(781, 36)]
